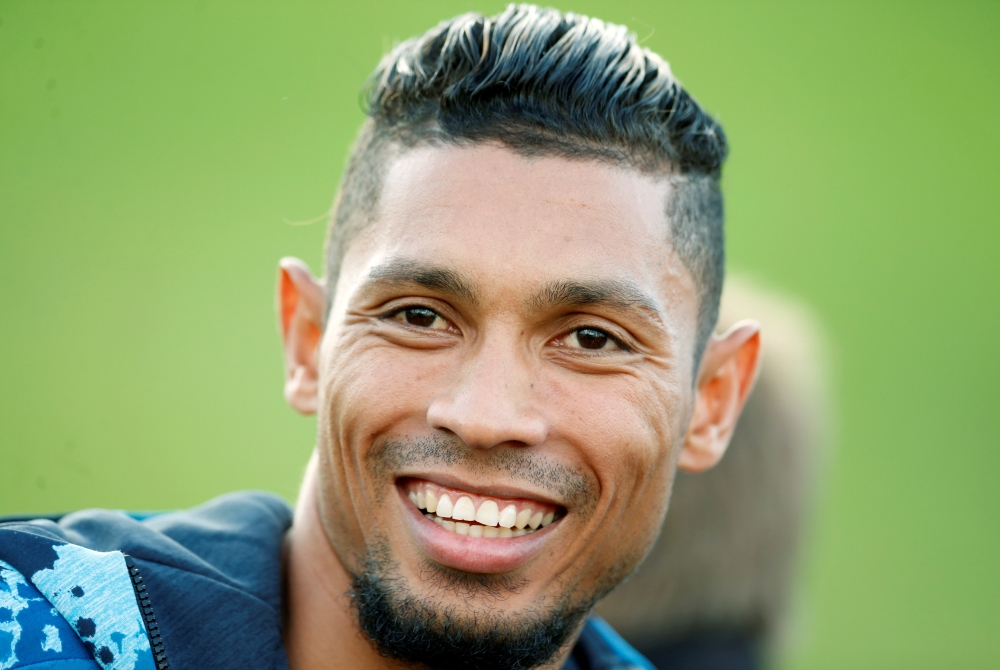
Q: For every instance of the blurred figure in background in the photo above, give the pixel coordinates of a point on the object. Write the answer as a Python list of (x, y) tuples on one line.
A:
[(714, 592)]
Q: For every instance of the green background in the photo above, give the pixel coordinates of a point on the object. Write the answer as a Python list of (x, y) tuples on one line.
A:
[(152, 154)]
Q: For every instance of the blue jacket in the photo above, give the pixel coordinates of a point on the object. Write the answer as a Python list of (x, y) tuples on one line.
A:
[(192, 590)]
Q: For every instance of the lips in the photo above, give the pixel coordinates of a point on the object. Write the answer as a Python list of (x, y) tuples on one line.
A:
[(475, 532)]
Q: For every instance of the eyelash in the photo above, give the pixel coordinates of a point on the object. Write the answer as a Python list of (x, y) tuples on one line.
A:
[(622, 346), (611, 336), (619, 342), (399, 311)]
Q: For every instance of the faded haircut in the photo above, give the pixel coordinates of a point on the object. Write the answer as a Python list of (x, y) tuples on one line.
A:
[(544, 83)]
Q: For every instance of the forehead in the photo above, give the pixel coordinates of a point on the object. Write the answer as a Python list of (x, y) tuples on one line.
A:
[(512, 223)]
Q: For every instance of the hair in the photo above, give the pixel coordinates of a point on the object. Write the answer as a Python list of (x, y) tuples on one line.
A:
[(544, 83)]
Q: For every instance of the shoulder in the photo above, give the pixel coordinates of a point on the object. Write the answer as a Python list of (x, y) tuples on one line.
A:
[(209, 539), (67, 594)]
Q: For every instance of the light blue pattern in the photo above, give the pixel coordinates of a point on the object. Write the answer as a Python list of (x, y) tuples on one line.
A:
[(51, 641), (64, 664), (93, 592), (33, 634), (12, 601), (633, 659)]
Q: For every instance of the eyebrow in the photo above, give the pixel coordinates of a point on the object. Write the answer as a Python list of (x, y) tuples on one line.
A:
[(617, 294), (433, 277)]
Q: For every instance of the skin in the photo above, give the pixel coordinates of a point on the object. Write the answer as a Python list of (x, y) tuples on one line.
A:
[(502, 367)]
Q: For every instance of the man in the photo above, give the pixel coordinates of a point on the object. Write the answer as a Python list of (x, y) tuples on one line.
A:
[(510, 356)]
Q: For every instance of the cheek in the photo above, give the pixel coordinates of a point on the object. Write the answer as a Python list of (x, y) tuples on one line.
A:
[(370, 390), (365, 383), (628, 429), (367, 391)]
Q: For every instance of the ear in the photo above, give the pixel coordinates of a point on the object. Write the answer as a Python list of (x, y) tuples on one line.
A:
[(300, 317), (728, 371)]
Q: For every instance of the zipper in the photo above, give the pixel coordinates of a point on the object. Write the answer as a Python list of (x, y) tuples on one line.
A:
[(152, 628)]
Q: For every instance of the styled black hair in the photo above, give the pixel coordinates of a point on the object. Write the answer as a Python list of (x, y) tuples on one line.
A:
[(543, 82)]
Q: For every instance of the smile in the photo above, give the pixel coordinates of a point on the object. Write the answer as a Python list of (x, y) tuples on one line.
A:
[(466, 513), (476, 532)]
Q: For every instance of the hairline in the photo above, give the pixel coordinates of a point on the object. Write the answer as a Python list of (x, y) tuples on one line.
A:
[(393, 143), (384, 143)]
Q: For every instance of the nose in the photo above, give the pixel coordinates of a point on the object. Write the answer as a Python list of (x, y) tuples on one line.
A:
[(492, 401)]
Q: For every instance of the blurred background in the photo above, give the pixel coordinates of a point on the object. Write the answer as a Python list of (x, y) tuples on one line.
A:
[(156, 159)]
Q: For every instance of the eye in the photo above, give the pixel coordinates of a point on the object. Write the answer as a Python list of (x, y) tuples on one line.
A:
[(592, 339), (421, 317)]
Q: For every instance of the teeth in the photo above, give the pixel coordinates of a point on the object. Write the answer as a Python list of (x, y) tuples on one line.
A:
[(445, 508), (511, 522), (432, 501), (465, 510), (488, 513), (477, 530), (507, 517)]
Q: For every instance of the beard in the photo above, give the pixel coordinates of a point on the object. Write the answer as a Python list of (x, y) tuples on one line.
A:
[(414, 629), (420, 629)]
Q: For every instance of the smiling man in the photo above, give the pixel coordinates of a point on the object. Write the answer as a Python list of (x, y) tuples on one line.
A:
[(510, 356)]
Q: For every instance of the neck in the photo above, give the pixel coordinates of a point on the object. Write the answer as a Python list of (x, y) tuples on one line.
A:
[(320, 630)]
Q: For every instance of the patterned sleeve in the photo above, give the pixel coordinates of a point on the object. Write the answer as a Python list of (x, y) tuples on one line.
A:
[(32, 632)]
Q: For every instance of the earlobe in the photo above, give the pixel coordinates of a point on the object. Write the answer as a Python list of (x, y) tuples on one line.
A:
[(728, 371), (300, 320), (301, 387)]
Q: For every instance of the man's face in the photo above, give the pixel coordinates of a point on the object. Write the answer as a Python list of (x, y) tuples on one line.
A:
[(515, 334)]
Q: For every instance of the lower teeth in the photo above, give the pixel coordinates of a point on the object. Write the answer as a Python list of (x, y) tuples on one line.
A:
[(477, 530)]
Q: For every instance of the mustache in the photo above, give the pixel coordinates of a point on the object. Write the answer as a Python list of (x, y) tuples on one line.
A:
[(577, 488)]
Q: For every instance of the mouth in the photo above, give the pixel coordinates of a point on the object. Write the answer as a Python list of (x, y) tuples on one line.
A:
[(474, 532)]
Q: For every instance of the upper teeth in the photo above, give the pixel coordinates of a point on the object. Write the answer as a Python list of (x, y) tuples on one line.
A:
[(464, 509), (488, 513), (512, 521), (507, 518)]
